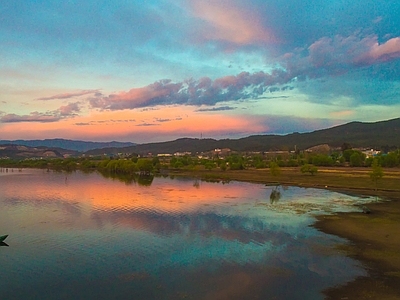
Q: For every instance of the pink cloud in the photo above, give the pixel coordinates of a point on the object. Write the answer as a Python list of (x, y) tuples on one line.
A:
[(226, 81), (383, 52), (229, 22), (191, 92), (69, 109), (352, 50), (338, 55), (63, 112), (137, 97)]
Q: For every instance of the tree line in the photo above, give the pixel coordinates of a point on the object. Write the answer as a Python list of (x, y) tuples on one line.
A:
[(234, 161)]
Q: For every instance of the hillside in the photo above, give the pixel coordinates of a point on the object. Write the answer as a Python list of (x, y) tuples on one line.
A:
[(378, 135), (74, 145), (357, 134), (22, 152)]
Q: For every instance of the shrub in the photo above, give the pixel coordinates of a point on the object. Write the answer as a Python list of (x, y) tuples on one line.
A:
[(307, 168)]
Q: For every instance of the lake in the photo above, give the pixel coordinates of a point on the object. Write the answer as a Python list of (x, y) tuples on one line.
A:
[(84, 236)]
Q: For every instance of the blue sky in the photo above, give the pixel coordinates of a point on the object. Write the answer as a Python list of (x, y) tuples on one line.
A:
[(158, 70)]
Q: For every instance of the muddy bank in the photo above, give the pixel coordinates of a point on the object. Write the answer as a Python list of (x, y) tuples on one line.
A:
[(375, 241)]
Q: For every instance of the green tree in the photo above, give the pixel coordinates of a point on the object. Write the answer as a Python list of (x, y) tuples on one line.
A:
[(274, 169), (347, 153), (357, 159), (145, 165), (390, 160), (308, 168), (376, 173), (322, 160)]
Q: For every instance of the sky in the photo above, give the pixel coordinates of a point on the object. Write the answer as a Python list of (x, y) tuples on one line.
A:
[(157, 70)]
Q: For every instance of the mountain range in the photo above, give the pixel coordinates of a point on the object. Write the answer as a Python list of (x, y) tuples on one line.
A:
[(377, 135), (80, 146)]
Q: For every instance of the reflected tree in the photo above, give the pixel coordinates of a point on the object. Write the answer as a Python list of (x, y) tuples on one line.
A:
[(145, 180), (275, 195), (196, 183)]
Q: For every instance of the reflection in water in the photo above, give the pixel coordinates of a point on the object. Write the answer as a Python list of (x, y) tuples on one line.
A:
[(275, 195), (141, 179), (196, 183), (145, 179), (95, 238)]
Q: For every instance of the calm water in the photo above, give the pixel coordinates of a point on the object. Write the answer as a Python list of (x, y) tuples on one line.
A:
[(82, 236)]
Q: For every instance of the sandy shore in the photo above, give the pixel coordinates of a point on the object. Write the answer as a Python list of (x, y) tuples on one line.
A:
[(374, 239)]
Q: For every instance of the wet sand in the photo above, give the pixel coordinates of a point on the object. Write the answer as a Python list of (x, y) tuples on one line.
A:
[(374, 241)]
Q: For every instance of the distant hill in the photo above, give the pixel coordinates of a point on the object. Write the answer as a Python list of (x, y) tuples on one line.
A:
[(378, 135), (357, 134), (22, 152), (80, 146)]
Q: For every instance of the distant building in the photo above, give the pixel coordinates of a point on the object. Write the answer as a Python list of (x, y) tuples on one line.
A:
[(164, 155), (371, 152), (182, 153)]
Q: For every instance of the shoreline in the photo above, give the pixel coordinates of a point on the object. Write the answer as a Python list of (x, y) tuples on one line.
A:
[(372, 238)]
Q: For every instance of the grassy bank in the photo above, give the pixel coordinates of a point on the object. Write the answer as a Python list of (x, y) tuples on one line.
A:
[(374, 238), (346, 178)]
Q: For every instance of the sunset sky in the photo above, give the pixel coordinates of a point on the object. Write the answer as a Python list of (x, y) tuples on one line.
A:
[(157, 70)]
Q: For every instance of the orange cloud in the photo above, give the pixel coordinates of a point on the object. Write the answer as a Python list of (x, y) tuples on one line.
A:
[(135, 125), (231, 23), (343, 113)]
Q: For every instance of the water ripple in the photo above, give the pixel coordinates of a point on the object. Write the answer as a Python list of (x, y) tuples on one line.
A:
[(85, 233)]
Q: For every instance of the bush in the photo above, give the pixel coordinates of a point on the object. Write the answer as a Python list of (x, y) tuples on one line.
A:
[(357, 159), (390, 160), (307, 168), (274, 169), (322, 160)]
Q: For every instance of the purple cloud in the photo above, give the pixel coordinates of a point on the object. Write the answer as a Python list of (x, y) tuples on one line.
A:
[(147, 125), (323, 58), (69, 109), (32, 117), (191, 92), (71, 95), (63, 112), (222, 108)]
